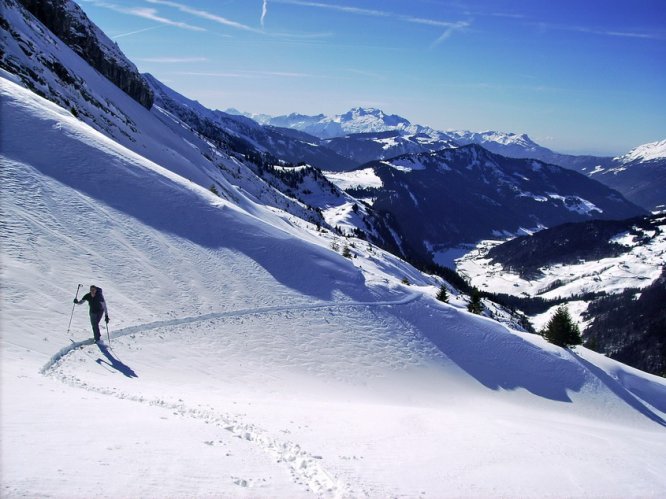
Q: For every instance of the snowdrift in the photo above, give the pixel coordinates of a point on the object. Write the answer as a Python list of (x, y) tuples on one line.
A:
[(248, 358)]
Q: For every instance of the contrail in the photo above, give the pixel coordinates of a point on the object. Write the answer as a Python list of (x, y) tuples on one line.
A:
[(135, 32), (264, 11)]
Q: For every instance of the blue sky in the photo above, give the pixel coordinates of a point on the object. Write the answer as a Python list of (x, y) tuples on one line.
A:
[(584, 76)]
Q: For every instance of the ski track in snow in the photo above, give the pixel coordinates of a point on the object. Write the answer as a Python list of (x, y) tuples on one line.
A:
[(221, 315), (305, 467)]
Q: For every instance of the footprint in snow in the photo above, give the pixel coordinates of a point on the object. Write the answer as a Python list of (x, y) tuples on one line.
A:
[(241, 482)]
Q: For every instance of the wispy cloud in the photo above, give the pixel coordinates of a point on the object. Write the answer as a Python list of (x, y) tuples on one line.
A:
[(371, 12), (509, 15), (172, 60), (450, 26), (204, 15), (145, 13), (651, 35), (248, 74)]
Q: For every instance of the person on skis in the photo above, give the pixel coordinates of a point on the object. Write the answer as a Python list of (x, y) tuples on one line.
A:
[(97, 308)]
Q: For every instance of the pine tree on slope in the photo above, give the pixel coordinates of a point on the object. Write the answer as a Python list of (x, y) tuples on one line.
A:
[(475, 306), (561, 330), (443, 294)]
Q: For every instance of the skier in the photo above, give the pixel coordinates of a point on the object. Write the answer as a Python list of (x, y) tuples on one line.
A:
[(97, 308)]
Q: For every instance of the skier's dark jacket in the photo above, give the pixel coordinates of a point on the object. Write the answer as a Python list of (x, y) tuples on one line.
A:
[(97, 303)]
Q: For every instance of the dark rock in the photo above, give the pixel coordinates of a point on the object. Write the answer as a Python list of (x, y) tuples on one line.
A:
[(69, 23)]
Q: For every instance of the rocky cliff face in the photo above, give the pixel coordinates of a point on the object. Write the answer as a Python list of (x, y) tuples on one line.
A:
[(69, 23)]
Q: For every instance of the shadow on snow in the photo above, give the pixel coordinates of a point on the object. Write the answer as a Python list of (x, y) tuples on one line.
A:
[(619, 390), (500, 360), (173, 207), (115, 363)]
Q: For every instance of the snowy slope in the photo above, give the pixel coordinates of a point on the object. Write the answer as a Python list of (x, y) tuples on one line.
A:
[(636, 266), (249, 359), (43, 63)]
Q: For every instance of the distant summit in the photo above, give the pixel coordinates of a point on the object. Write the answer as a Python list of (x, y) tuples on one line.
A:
[(356, 120), (373, 120), (640, 175), (654, 151), (505, 143)]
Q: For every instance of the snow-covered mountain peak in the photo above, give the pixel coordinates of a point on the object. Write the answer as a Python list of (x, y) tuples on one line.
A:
[(646, 152), (508, 140), (356, 120), (640, 175), (375, 118)]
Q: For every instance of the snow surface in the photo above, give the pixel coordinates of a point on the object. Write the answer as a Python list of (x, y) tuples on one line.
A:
[(645, 152), (406, 164), (355, 179), (248, 359), (576, 204)]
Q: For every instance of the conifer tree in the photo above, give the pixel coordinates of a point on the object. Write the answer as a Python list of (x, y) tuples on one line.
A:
[(561, 330), (475, 306), (443, 294)]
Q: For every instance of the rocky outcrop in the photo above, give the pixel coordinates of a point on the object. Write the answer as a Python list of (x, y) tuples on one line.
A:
[(69, 23)]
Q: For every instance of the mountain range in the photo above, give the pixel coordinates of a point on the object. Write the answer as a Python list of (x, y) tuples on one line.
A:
[(441, 199), (360, 133)]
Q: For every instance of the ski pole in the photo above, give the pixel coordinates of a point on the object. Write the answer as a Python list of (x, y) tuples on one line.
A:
[(107, 334), (76, 298)]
